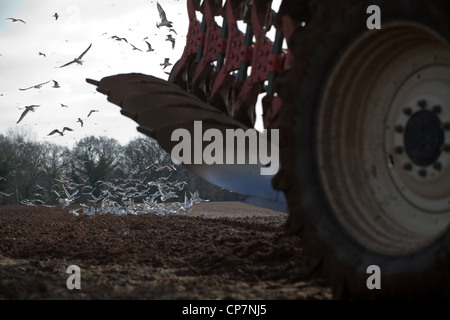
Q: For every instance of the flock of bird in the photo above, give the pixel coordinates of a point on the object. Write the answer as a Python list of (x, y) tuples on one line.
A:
[(121, 196), (164, 22)]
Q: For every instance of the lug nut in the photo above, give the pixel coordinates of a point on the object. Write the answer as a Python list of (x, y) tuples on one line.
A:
[(399, 128), (422, 103), (437, 166), (399, 149), (422, 173), (407, 111), (437, 109), (407, 166)]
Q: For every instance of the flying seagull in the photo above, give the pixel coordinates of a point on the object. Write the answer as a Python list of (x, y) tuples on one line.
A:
[(166, 63), (38, 86), (173, 30), (3, 194), (15, 20), (55, 84), (150, 49), (134, 48), (56, 15), (27, 108), (118, 38), (160, 168), (90, 112), (63, 105), (162, 15), (166, 195), (42, 54), (60, 132), (80, 121), (171, 39), (77, 60)]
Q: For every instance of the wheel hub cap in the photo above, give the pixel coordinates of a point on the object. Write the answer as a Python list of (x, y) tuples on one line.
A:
[(424, 138)]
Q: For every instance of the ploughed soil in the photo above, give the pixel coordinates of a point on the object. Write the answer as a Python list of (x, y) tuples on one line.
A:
[(235, 251)]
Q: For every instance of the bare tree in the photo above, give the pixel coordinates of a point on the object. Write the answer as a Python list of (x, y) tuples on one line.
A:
[(6, 170), (26, 155), (141, 153), (94, 160), (55, 166)]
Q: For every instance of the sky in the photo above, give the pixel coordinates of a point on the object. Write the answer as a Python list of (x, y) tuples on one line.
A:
[(80, 23)]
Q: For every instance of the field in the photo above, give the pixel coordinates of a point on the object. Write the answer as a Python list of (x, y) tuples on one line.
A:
[(235, 251)]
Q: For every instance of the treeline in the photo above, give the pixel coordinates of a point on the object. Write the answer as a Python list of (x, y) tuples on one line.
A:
[(39, 170)]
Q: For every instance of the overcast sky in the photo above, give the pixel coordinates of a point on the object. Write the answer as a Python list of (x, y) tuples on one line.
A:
[(80, 23)]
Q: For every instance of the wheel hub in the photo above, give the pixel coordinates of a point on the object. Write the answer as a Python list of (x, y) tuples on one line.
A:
[(417, 139), (424, 138)]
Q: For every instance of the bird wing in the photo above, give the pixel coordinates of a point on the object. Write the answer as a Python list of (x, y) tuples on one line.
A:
[(67, 129), (23, 89), (54, 131), (158, 167), (66, 64), (41, 84), (35, 86), (149, 45), (162, 13), (90, 112), (23, 115), (21, 20), (81, 55)]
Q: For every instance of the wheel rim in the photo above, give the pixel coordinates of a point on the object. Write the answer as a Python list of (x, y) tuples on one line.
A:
[(383, 138)]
